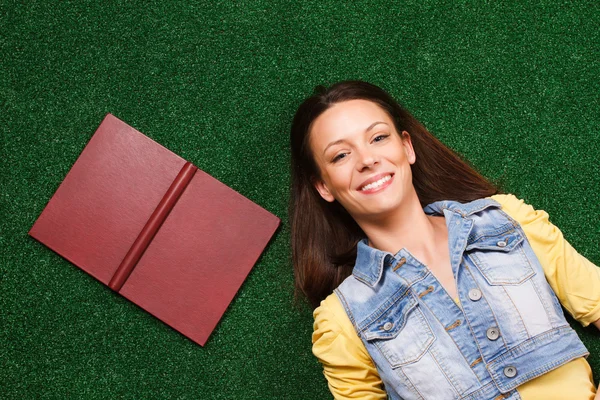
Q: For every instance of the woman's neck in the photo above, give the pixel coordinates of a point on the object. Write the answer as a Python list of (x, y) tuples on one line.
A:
[(410, 228)]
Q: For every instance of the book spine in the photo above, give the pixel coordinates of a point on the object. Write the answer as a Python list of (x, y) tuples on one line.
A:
[(152, 226)]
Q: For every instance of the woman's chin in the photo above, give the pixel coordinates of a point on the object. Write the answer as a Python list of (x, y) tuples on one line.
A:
[(377, 211)]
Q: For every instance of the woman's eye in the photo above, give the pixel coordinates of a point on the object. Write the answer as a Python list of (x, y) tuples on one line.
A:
[(339, 157), (379, 138)]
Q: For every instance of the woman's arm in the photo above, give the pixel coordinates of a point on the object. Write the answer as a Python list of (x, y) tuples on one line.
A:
[(347, 366), (574, 279), (597, 323)]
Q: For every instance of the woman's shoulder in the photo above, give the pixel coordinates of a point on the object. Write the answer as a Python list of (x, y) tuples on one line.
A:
[(331, 313), (523, 213), (331, 320), (334, 337), (510, 202)]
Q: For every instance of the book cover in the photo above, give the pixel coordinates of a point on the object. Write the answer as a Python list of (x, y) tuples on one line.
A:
[(155, 228)]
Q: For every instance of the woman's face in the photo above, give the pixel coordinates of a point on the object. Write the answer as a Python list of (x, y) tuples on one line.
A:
[(364, 163)]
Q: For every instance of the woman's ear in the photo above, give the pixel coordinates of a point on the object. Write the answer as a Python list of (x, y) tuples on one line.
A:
[(408, 147), (323, 190)]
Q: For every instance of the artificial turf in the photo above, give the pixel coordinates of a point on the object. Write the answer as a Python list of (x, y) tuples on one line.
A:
[(513, 86)]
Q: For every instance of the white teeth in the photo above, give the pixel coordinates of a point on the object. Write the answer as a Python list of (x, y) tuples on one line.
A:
[(376, 183)]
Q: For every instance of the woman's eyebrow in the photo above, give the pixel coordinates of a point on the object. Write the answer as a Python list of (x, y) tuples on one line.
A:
[(373, 125), (333, 144)]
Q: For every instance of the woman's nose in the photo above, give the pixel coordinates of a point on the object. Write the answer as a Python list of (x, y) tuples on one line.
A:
[(366, 159)]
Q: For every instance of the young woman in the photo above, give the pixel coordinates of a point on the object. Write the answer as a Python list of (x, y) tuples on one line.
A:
[(427, 283)]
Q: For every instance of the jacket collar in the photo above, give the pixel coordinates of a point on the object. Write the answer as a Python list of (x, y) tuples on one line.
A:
[(464, 209), (371, 261)]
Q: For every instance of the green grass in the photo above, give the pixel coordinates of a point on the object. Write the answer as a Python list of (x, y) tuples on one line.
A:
[(511, 85)]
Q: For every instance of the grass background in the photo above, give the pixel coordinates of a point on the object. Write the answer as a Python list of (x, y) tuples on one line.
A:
[(511, 85)]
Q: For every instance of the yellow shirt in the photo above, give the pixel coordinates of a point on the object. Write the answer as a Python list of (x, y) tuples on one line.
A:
[(351, 374)]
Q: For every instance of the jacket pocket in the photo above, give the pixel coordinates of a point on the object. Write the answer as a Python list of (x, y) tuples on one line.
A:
[(500, 257), (401, 332)]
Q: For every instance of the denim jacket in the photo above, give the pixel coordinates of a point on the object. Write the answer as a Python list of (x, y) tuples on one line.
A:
[(507, 329)]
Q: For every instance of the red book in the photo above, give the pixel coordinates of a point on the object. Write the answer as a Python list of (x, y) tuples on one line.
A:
[(155, 228)]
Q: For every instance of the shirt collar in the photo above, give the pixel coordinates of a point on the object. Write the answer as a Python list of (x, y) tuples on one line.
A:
[(371, 261), (464, 209)]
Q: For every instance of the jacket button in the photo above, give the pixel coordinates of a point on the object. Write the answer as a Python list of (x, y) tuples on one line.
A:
[(475, 294), (510, 372), (387, 326), (493, 333), (501, 243)]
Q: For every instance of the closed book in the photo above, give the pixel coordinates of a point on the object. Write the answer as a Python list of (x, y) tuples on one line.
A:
[(154, 228)]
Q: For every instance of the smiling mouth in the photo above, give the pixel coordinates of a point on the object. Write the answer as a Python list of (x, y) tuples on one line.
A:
[(374, 185)]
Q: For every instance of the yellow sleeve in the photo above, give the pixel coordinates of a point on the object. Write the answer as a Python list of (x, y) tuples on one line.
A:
[(349, 370), (574, 279)]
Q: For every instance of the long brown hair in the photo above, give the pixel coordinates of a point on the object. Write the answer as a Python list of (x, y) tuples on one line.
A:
[(324, 235)]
